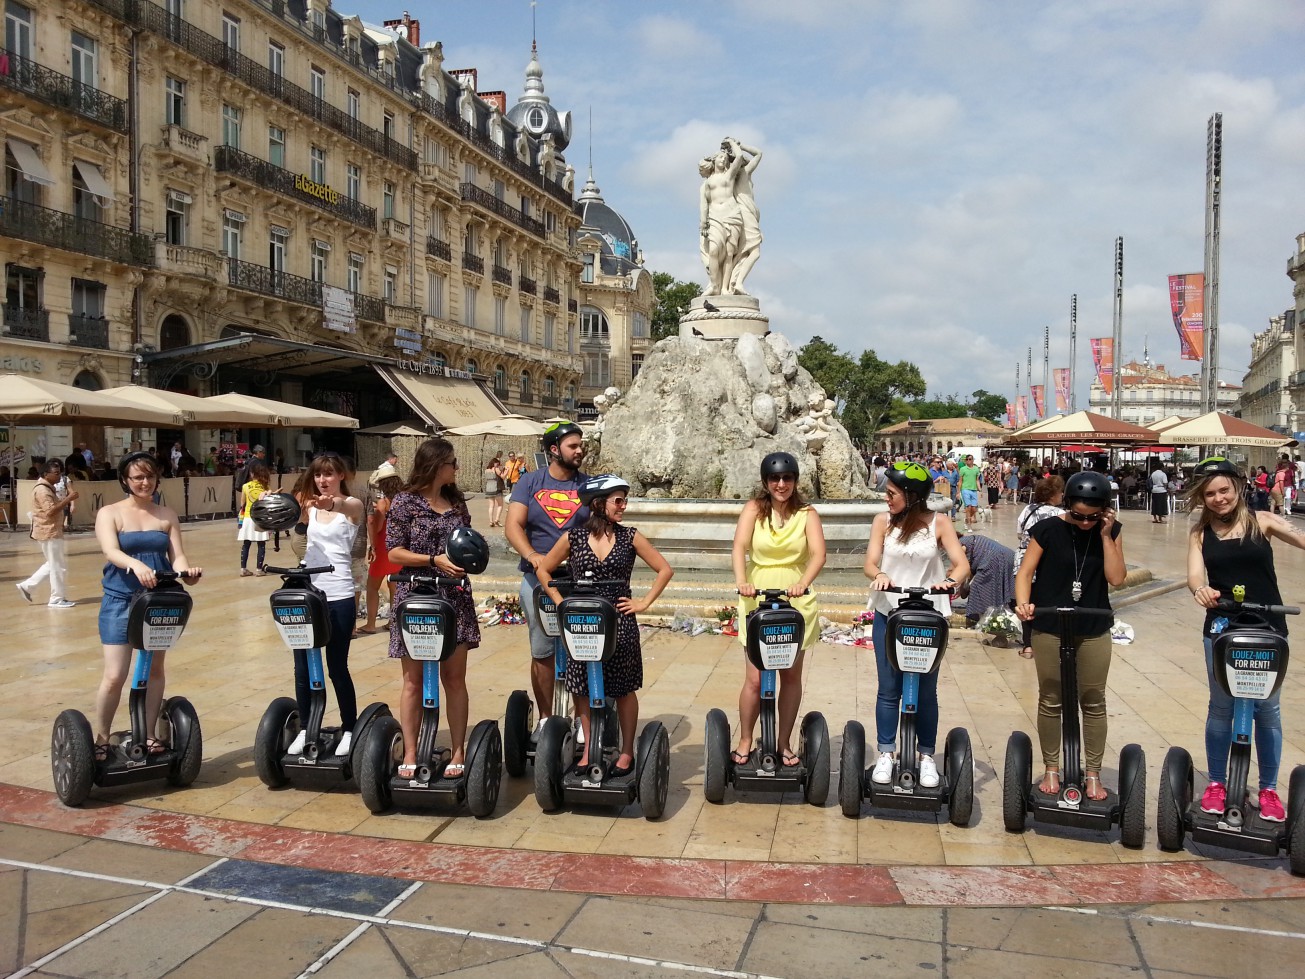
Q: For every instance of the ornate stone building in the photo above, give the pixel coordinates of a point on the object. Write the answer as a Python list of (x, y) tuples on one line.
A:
[(1151, 393), (277, 198)]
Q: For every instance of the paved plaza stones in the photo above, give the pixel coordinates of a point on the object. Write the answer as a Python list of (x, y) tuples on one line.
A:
[(228, 874)]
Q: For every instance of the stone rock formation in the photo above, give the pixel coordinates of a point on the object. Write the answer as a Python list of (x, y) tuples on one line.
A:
[(702, 414)]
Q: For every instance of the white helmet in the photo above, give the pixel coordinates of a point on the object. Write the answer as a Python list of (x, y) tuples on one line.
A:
[(596, 486)]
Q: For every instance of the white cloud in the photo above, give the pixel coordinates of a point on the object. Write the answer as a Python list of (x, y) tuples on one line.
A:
[(664, 38)]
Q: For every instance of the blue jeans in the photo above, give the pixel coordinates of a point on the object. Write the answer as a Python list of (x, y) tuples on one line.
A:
[(1218, 730), (342, 614), (890, 697)]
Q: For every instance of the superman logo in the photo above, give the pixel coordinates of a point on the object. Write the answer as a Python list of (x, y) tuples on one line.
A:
[(560, 505)]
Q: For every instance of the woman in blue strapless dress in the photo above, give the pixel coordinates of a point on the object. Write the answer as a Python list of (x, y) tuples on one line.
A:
[(139, 538)]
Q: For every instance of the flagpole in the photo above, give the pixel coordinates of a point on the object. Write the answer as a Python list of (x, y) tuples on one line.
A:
[(1073, 351), (1117, 394)]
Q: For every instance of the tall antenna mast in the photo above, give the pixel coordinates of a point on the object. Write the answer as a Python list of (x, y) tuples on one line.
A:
[(1117, 394), (1073, 351), (1213, 204), (1048, 396), (591, 142)]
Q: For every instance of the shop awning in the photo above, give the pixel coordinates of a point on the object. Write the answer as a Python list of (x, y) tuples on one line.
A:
[(94, 180), (29, 161), (442, 401)]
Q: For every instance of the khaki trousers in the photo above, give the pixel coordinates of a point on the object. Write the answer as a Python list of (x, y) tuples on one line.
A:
[(1093, 668)]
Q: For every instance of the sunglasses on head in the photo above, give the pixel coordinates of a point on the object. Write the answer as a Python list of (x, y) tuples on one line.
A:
[(1084, 517)]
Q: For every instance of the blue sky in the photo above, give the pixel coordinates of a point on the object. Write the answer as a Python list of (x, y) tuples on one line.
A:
[(939, 176)]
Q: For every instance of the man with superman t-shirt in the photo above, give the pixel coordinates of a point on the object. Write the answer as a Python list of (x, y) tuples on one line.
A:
[(545, 505)]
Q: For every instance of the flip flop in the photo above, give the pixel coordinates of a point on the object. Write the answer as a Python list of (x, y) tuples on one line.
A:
[(740, 757), (363, 630), (101, 752), (407, 771), (154, 746), (455, 769), (791, 760)]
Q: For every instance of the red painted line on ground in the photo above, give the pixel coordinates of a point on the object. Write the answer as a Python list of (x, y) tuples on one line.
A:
[(735, 880)]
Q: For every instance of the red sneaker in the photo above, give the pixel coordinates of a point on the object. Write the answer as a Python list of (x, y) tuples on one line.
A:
[(1271, 807), (1215, 799)]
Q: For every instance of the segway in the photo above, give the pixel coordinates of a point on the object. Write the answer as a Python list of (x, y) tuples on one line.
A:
[(156, 619), (774, 631), (587, 622), (519, 742), (1071, 806), (429, 624), (300, 613), (1250, 663), (916, 636)]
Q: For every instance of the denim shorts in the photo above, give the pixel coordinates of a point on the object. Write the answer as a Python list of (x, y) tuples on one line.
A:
[(970, 497), (114, 609)]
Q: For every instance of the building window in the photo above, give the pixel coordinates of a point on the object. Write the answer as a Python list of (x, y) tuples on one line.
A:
[(390, 289), (317, 165), (387, 201), (550, 222), (17, 184), (500, 316), (85, 204), (550, 321), (472, 366), (277, 240), (353, 182), (387, 125), (499, 189), (23, 287), (320, 256), (636, 365), (83, 60), (525, 324), (231, 126), (525, 206), (276, 146), (174, 102), (435, 225), (231, 31), (435, 294), (355, 273), (524, 385), (233, 224), (598, 369), (593, 325), (354, 103), (469, 306), (175, 210), (88, 298), (550, 388), (640, 328), (587, 273), (437, 153), (317, 83), (469, 173), (18, 29), (500, 381), (275, 59), (441, 360), (175, 8)]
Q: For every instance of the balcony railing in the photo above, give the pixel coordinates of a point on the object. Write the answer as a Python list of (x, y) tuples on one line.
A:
[(368, 308), (150, 16), (527, 285), (187, 260), (58, 229), (88, 331), (500, 392), (63, 92), (551, 295), (473, 263), (525, 398), (228, 159), (395, 229), (273, 282), (28, 323), (572, 306), (483, 198), (501, 275), (408, 317), (438, 248), (549, 400)]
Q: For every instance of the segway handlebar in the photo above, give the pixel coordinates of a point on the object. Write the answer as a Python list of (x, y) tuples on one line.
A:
[(920, 590), (771, 594), (163, 578), (300, 571), (424, 576), (572, 586), (1228, 605), (1072, 610)]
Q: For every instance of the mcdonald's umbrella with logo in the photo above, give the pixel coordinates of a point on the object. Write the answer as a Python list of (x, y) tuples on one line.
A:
[(283, 414), (198, 412)]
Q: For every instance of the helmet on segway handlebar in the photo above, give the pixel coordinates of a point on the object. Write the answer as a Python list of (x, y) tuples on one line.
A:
[(468, 550), (1090, 487), (554, 434), (779, 464), (1216, 466), (274, 512), (604, 485)]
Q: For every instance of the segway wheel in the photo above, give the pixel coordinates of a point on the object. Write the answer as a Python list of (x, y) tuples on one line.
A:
[(485, 769), (958, 756), (654, 761), (550, 763), (370, 713), (1174, 797), (379, 756), (1132, 797), (716, 751), (1016, 780), (72, 757), (517, 726), (279, 726), (187, 741), (815, 758), (1296, 821), (851, 769)]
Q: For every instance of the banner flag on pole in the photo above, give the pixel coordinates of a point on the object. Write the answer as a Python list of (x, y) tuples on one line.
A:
[(1039, 400), (1010, 414), (1021, 411), (1187, 303), (1103, 358), (1061, 374)]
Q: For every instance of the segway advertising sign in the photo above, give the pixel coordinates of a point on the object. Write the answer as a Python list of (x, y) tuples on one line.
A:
[(423, 635), (585, 636), (295, 623), (162, 627), (547, 609), (917, 646), (1252, 673), (779, 645)]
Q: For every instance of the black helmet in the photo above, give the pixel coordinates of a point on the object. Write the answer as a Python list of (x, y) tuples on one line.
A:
[(129, 460), (779, 463), (1216, 466), (1090, 487), (275, 511), (911, 478), (555, 433), (596, 486), (468, 550)]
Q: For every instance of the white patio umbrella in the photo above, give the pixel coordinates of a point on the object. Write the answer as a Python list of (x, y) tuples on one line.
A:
[(283, 414), (197, 412), (1217, 428)]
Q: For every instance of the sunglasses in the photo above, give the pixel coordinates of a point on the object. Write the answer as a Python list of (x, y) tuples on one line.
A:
[(782, 478), (1084, 517), (913, 470)]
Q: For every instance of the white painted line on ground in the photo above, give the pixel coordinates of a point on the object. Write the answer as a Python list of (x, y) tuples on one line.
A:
[(357, 933), (1163, 920)]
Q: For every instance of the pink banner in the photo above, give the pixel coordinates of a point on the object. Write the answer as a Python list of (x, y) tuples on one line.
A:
[(1039, 399), (1103, 358), (1021, 411), (1187, 303), (1010, 414), (1061, 376)]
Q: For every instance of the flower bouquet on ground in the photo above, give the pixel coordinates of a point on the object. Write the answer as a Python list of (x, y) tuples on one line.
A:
[(863, 627), (726, 615), (1000, 627)]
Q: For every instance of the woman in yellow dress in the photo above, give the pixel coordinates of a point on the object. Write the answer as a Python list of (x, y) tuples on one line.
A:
[(778, 543)]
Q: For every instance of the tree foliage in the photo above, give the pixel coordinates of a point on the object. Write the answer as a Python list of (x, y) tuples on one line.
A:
[(673, 298), (865, 388)]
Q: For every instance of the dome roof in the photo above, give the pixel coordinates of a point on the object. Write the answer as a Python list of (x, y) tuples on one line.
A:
[(620, 251), (533, 112)]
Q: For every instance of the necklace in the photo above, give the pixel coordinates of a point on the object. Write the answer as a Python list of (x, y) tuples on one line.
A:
[(1076, 589)]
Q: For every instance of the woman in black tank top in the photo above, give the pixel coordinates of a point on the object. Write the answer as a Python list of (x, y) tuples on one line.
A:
[(1230, 545)]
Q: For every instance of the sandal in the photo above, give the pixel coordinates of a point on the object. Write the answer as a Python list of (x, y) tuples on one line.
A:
[(363, 630), (1088, 779), (740, 757), (154, 746), (407, 771), (455, 769), (101, 751), (1026, 652), (1050, 784), (791, 760)]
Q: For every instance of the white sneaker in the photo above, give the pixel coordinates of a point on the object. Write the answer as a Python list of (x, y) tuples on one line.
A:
[(883, 771), (928, 772), (579, 734), (534, 735), (346, 739), (62, 603), (297, 745), (23, 590)]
